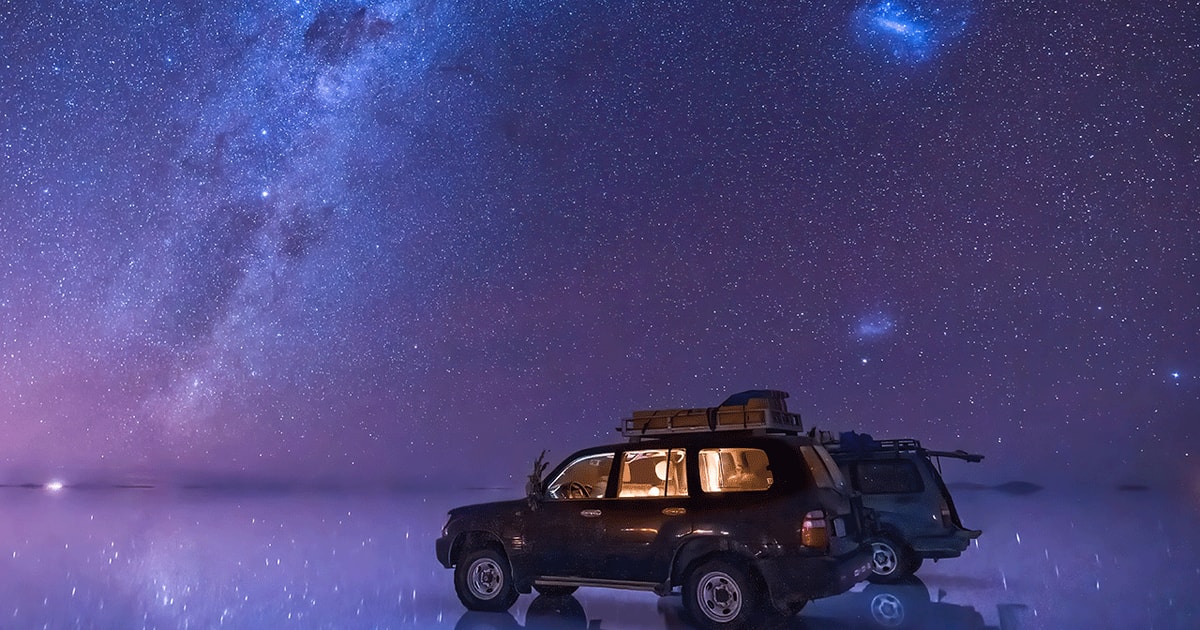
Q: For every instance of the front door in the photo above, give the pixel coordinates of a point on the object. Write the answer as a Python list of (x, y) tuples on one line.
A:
[(560, 535)]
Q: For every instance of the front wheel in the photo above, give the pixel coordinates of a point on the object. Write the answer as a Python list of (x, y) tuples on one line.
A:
[(890, 561), (722, 594), (483, 581)]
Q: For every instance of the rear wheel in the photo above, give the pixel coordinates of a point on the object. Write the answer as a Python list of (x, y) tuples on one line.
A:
[(890, 560), (722, 593), (483, 581)]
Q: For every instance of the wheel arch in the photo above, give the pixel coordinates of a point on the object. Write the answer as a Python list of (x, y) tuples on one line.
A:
[(700, 548), (890, 532), (481, 539), (474, 539)]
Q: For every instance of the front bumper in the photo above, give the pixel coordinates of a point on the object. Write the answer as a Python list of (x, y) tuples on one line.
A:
[(792, 579), (443, 545)]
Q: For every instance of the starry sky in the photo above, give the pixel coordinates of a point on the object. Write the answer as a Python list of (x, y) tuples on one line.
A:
[(421, 241)]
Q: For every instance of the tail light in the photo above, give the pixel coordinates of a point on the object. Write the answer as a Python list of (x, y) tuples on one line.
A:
[(814, 533), (948, 519)]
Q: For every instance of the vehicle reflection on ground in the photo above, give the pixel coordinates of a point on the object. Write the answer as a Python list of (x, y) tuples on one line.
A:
[(544, 613), (909, 604), (124, 558)]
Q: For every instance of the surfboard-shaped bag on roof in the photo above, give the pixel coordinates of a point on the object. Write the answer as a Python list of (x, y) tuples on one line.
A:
[(752, 410)]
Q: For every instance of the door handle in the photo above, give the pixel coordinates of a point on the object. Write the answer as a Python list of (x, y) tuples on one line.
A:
[(674, 511), (589, 513)]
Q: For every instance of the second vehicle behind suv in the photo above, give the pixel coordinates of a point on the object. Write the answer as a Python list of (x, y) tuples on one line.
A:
[(914, 512), (730, 505)]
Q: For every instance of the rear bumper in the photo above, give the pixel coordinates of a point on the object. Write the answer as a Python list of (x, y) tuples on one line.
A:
[(944, 546), (792, 579)]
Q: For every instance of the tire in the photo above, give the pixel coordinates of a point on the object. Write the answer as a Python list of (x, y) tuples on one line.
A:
[(722, 593), (554, 590), (483, 581), (890, 561)]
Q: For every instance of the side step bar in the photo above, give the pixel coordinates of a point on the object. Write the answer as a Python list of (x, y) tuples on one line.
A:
[(661, 589)]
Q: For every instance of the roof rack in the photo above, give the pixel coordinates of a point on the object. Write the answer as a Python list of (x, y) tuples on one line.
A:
[(854, 442), (900, 444), (754, 410)]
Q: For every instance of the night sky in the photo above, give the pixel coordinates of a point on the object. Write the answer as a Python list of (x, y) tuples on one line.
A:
[(421, 241)]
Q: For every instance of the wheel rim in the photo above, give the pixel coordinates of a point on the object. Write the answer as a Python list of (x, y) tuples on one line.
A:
[(887, 609), (484, 578), (719, 596), (883, 558)]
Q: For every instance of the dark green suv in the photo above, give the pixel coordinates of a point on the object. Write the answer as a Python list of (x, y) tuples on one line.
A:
[(727, 504), (914, 512)]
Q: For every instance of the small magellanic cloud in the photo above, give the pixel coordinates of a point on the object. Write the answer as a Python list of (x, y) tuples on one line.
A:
[(912, 31), (874, 325)]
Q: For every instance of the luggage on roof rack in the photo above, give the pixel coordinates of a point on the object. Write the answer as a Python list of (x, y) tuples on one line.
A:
[(760, 409)]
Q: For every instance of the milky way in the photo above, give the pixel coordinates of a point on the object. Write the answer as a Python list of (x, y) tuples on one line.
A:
[(362, 241)]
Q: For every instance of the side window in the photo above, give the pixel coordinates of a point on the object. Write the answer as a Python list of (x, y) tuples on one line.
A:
[(835, 473), (653, 473), (734, 470), (824, 470), (584, 478), (893, 476)]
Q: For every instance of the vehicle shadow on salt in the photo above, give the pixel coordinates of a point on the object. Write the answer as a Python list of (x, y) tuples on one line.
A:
[(908, 604)]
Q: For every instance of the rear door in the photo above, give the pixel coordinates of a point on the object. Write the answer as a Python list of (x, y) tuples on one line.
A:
[(896, 489), (754, 494)]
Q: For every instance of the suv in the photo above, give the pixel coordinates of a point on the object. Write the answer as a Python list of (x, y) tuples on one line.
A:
[(902, 486), (730, 504)]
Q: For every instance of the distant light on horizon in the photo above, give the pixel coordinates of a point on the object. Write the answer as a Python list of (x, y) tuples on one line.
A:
[(54, 486)]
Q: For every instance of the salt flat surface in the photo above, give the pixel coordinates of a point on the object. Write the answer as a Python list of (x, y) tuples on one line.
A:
[(153, 558)]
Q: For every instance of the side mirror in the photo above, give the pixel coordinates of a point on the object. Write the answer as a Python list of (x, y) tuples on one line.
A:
[(534, 492)]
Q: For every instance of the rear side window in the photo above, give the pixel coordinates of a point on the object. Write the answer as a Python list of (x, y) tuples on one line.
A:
[(893, 476), (735, 470), (653, 473)]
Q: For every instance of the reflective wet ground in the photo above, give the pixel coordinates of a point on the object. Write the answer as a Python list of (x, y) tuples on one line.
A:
[(156, 558)]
